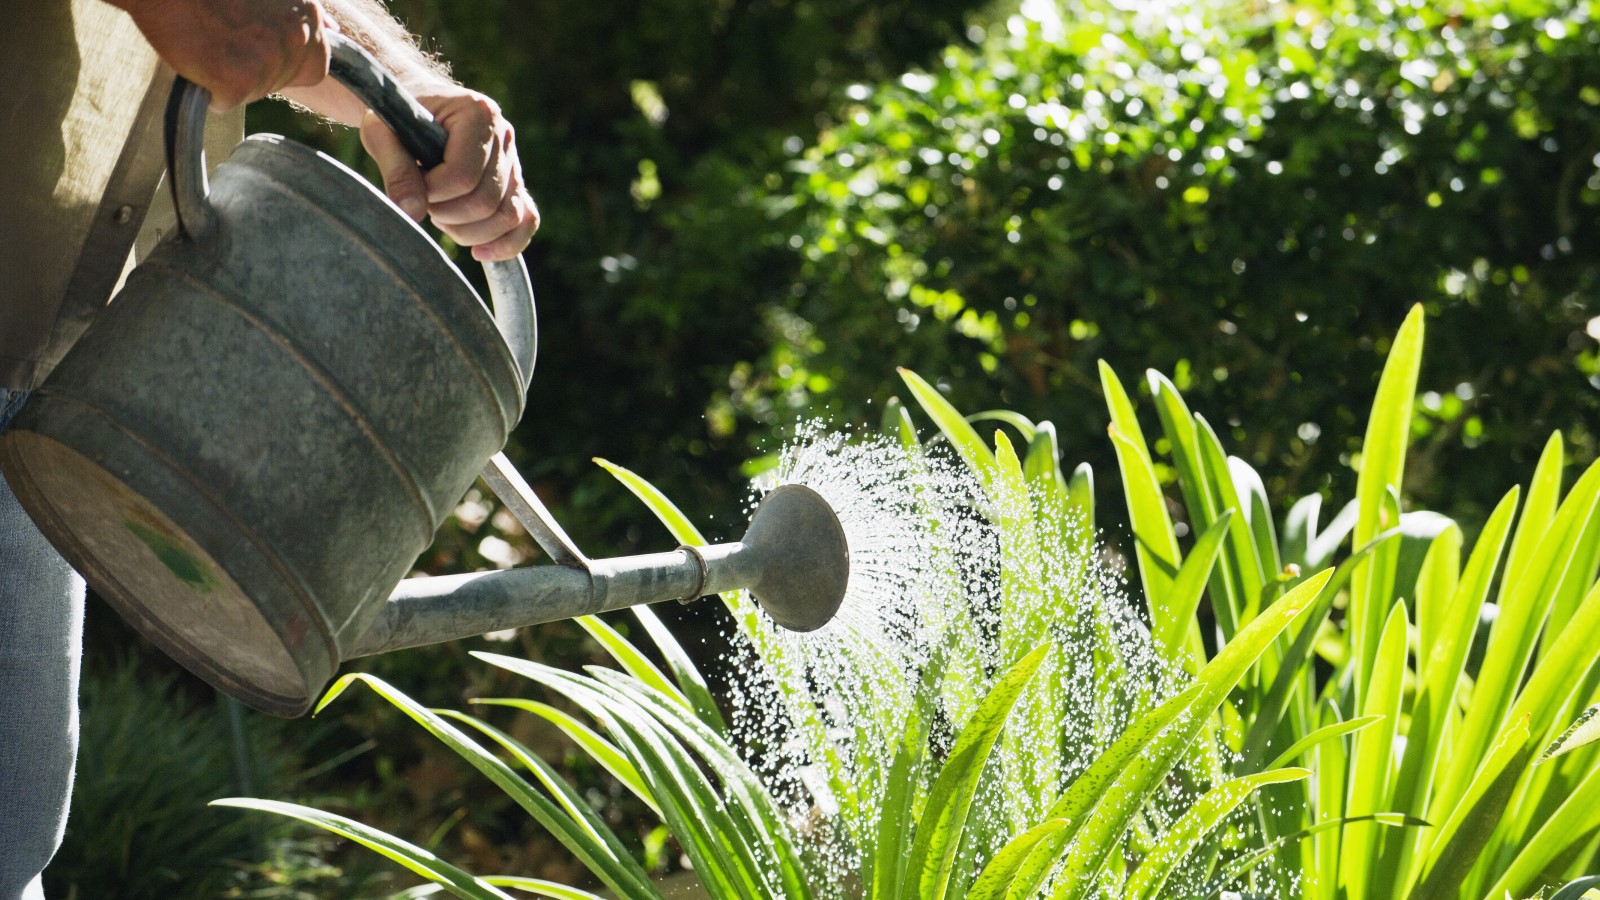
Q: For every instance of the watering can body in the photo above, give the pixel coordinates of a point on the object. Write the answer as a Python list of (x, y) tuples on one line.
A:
[(254, 442), (249, 448)]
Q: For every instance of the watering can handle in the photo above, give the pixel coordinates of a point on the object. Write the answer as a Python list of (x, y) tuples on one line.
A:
[(425, 138)]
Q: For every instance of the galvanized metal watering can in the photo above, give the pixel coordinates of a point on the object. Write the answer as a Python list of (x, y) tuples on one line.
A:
[(249, 448)]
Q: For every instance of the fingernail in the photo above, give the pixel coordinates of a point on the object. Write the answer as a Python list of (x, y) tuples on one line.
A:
[(415, 207)]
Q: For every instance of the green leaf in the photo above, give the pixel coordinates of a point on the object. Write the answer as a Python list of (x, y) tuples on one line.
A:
[(1253, 501), (1242, 578), (1087, 789), (1571, 824), (758, 818), (1584, 731), (575, 805), (598, 748), (1383, 457), (619, 871), (1185, 835), (455, 880), (1185, 594), (631, 660), (1458, 843), (1155, 544), (1178, 424), (1440, 665), (1524, 607), (1020, 422), (654, 730), (1578, 889), (1544, 494), (1062, 504), (1240, 867), (1436, 587), (1327, 541), (1372, 761), (1080, 487), (668, 512), (1300, 529), (962, 436), (896, 825), (1132, 771), (541, 887), (1270, 709), (1001, 871), (684, 671), (944, 816), (1121, 410), (1325, 733)]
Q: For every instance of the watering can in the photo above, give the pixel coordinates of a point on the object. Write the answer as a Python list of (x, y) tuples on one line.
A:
[(249, 448)]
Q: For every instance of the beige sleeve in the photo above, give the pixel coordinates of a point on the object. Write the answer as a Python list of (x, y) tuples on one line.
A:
[(75, 124)]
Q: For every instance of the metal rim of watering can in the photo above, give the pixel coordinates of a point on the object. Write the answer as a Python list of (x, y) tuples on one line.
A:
[(510, 289)]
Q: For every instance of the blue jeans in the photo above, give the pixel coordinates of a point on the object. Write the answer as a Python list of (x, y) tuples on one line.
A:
[(41, 638)]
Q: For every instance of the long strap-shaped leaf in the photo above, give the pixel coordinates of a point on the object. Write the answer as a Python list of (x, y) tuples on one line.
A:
[(1132, 779), (598, 748), (1270, 710), (1185, 835), (1217, 679), (1325, 733), (418, 860), (723, 849), (689, 679), (1440, 665), (1456, 845), (1087, 789), (1179, 636), (896, 825), (1523, 610), (631, 659), (1372, 763), (1579, 889), (1001, 871), (1155, 543), (619, 871), (944, 816), (547, 775), (1571, 824), (1242, 866), (719, 851), (962, 436), (1383, 459), (540, 887), (755, 813)]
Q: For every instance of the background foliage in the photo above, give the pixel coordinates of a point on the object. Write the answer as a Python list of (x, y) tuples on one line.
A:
[(755, 209)]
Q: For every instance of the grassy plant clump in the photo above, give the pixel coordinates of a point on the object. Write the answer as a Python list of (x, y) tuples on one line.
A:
[(150, 758), (990, 718)]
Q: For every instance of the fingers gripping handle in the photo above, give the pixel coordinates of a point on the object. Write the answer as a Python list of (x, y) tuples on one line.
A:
[(423, 137), (359, 71)]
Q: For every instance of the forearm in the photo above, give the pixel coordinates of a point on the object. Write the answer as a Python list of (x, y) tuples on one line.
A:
[(370, 24)]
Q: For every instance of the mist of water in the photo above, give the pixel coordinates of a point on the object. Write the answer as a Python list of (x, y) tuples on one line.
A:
[(949, 574)]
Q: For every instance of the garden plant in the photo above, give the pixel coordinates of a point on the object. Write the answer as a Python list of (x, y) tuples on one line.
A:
[(1364, 707)]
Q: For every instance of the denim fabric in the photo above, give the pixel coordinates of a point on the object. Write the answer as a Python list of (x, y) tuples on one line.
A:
[(41, 637), (10, 403)]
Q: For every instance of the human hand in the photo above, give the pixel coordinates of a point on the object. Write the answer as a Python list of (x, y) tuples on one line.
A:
[(239, 50), (477, 195)]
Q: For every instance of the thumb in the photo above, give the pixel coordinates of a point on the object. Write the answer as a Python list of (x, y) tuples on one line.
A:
[(402, 179)]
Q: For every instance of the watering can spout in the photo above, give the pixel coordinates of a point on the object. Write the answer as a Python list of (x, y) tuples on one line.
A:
[(793, 558)]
